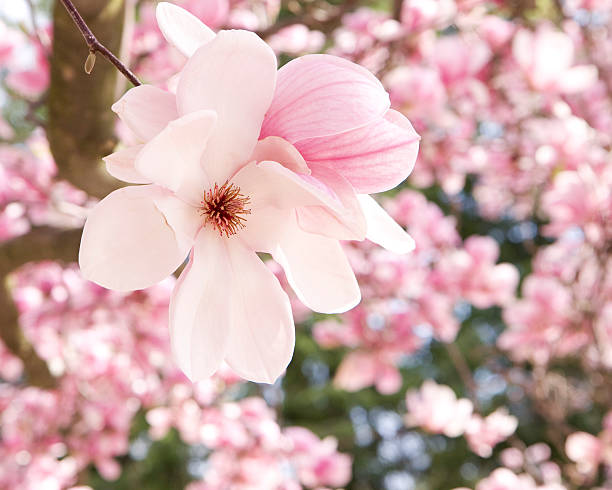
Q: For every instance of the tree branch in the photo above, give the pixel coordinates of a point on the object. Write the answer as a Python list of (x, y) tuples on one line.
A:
[(41, 243), (95, 45)]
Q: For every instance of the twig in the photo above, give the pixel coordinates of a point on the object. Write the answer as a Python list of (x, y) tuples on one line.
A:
[(456, 357), (96, 46), (44, 46)]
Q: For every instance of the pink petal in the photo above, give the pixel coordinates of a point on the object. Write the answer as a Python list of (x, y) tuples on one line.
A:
[(321, 95), (234, 75), (265, 225), (522, 48), (348, 223), (271, 184), (373, 158), (357, 371), (173, 158), (182, 29), (146, 110), (577, 79), (275, 149), (553, 55), (318, 271), (200, 309), (127, 241), (262, 334), (274, 191), (382, 229), (121, 165), (184, 219)]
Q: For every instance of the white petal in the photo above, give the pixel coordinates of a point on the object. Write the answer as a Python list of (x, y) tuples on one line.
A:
[(146, 110), (200, 308), (233, 75), (184, 219), (275, 149), (318, 271), (182, 29), (127, 241), (173, 158), (262, 335), (121, 165), (382, 228), (348, 223), (271, 184)]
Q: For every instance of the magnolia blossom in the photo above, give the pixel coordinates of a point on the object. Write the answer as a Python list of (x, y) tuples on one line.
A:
[(241, 161), (547, 57), (437, 409), (483, 434)]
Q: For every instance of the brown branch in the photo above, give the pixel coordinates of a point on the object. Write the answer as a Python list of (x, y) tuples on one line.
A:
[(397, 9), (42, 243), (465, 373), (96, 46)]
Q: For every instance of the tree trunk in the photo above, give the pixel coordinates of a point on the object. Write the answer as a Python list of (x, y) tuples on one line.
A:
[(81, 124)]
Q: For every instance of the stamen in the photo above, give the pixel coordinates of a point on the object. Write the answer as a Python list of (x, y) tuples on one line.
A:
[(223, 207)]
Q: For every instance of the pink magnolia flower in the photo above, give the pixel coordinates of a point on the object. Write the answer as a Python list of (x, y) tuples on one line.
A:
[(437, 409), (361, 369), (31, 81), (297, 39), (504, 479), (317, 461), (547, 56), (332, 119), (483, 434), (212, 190), (422, 14), (586, 450), (472, 273)]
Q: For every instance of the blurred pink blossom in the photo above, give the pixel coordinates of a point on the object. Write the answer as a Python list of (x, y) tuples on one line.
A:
[(436, 409)]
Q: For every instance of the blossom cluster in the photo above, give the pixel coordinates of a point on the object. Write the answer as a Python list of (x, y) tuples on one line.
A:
[(110, 352)]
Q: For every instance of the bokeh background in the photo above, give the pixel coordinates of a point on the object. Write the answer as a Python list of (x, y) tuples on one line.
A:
[(481, 360)]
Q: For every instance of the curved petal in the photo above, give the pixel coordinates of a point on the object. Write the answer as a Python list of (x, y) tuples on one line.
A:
[(233, 75), (274, 192), (577, 79), (127, 241), (271, 184), (146, 110), (318, 271), (382, 228), (182, 29), (183, 218), (262, 334), (348, 223), (173, 158), (276, 149), (321, 95), (121, 165), (200, 309), (264, 228), (373, 158)]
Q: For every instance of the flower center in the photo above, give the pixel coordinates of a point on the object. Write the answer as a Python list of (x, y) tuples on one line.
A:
[(223, 207)]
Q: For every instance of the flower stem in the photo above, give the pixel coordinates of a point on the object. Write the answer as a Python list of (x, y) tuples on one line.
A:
[(96, 46)]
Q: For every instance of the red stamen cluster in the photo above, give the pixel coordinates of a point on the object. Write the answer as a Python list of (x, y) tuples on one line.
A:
[(223, 207)]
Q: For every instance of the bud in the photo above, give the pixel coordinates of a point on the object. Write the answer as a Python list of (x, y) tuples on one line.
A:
[(90, 62)]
